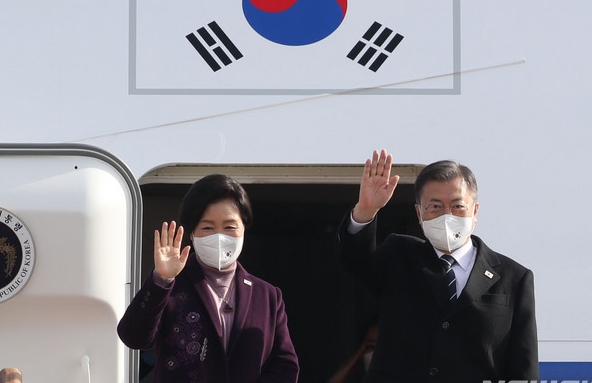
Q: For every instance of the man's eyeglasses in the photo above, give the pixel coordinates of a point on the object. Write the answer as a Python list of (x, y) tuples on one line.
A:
[(437, 209)]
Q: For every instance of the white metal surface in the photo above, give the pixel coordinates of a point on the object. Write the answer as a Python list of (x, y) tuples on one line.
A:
[(81, 212)]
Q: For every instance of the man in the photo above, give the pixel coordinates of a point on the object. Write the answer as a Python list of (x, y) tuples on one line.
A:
[(347, 371), (10, 375), (471, 322)]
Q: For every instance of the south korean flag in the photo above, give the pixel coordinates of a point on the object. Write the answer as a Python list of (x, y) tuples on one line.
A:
[(293, 46)]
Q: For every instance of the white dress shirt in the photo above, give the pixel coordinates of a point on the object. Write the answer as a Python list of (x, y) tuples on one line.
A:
[(465, 259)]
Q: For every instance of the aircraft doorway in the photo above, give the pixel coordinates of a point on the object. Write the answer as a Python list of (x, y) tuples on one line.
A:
[(297, 210)]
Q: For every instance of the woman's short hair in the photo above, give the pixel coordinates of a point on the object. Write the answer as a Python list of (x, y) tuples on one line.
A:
[(211, 189)]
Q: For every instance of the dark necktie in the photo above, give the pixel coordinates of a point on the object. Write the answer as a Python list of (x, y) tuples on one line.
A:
[(448, 261)]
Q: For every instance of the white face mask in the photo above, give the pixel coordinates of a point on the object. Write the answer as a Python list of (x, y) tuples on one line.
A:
[(448, 232), (218, 250)]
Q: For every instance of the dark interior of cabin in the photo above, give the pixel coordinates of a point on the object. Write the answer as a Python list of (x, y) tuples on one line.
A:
[(290, 245)]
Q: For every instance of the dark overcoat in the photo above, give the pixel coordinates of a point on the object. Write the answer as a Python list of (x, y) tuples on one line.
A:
[(488, 334), (177, 323)]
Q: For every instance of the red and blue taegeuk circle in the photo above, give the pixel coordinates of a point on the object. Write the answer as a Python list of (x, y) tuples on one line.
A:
[(294, 22)]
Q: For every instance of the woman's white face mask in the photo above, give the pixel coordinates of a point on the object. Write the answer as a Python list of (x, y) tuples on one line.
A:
[(448, 232), (218, 250)]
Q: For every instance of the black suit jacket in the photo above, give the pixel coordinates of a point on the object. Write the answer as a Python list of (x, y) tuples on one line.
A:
[(488, 334)]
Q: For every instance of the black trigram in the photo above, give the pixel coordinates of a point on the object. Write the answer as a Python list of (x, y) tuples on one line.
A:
[(375, 46), (218, 49)]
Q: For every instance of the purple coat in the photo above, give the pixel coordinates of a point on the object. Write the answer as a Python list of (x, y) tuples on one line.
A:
[(176, 322)]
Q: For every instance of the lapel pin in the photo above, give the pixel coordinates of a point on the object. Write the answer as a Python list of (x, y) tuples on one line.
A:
[(488, 274), (247, 282)]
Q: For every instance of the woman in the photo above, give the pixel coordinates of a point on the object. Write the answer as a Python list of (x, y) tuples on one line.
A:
[(207, 319)]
